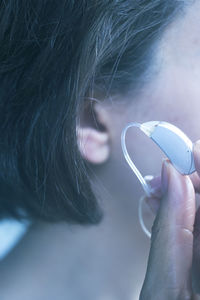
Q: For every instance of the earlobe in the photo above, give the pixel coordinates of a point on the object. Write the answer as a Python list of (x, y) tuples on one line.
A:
[(93, 144)]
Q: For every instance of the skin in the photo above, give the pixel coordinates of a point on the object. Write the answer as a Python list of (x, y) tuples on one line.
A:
[(173, 95), (115, 260)]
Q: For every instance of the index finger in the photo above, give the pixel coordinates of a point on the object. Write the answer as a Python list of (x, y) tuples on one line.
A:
[(170, 259), (196, 151)]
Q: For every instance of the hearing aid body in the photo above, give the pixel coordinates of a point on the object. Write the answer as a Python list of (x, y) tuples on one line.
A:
[(173, 142)]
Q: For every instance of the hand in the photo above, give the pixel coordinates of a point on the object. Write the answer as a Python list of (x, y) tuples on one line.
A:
[(173, 270)]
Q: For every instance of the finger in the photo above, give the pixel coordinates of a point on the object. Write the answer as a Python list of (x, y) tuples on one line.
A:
[(155, 183), (196, 153), (196, 253), (153, 203), (155, 186), (170, 259), (196, 181), (196, 233), (196, 297)]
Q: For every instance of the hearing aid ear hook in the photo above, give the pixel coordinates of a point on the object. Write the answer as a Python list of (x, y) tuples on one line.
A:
[(172, 141)]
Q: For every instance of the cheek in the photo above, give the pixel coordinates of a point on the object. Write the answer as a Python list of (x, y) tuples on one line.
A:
[(184, 104), (171, 104), (175, 98), (146, 155), (143, 151)]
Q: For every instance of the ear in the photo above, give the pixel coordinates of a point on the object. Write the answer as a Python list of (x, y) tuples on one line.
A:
[(92, 133)]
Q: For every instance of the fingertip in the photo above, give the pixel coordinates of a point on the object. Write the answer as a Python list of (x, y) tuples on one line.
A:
[(178, 200), (176, 182)]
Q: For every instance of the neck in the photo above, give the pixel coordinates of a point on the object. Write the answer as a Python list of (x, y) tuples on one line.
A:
[(54, 259)]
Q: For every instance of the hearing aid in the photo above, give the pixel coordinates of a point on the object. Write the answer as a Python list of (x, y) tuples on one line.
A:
[(174, 143)]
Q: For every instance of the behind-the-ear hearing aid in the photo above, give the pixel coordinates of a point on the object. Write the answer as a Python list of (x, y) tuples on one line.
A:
[(173, 142)]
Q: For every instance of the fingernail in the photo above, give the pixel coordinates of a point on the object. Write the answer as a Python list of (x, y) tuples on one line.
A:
[(165, 175)]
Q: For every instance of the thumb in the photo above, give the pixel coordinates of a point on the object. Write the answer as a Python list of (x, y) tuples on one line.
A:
[(170, 259)]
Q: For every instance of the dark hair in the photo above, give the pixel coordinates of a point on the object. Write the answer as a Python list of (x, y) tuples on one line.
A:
[(52, 55)]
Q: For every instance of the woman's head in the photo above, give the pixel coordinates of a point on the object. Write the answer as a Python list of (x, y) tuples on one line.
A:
[(67, 72)]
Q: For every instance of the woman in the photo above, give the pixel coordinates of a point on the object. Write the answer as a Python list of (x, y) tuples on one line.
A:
[(73, 74)]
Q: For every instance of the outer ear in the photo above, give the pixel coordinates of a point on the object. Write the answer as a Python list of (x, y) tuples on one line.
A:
[(93, 142)]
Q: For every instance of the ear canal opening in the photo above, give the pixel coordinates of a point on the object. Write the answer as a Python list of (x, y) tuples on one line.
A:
[(89, 116)]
